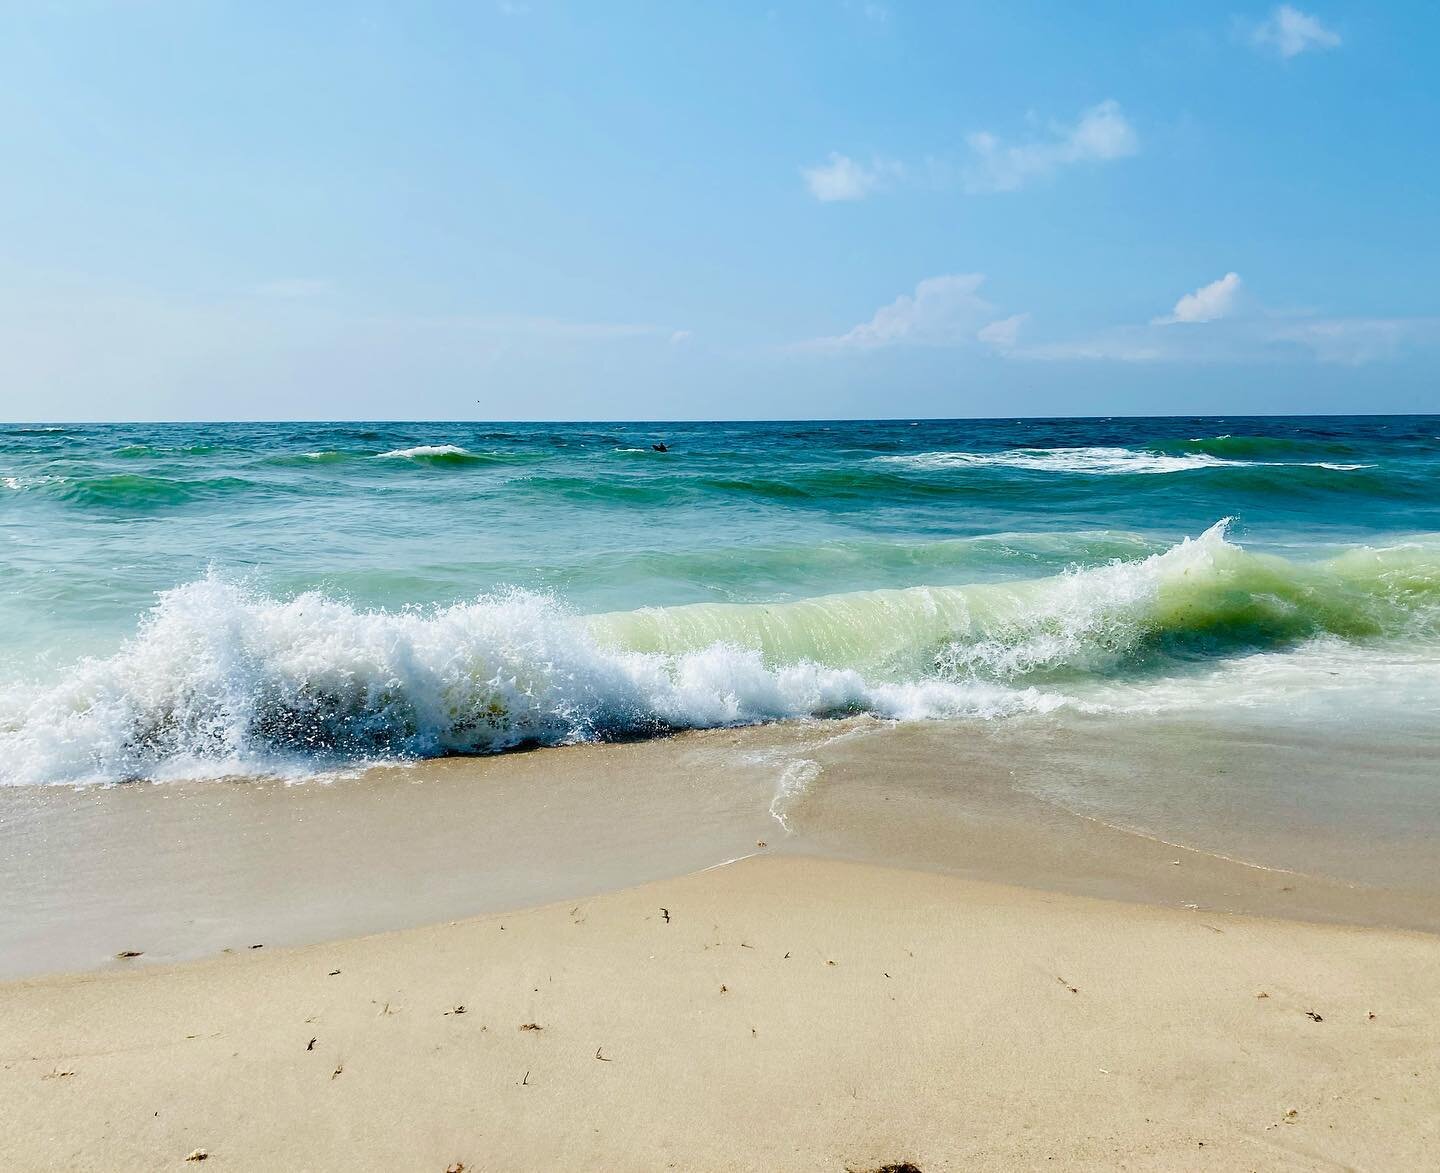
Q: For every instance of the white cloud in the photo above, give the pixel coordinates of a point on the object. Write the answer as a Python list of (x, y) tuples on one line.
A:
[(841, 178), (1291, 32), (943, 311), (1003, 334), (1206, 304), (1101, 134)]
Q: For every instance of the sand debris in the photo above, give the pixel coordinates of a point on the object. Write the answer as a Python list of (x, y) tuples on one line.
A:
[(310, 1046), (531, 1026), (198, 1155), (601, 1057), (1310, 1014), (126, 953), (1067, 985), (460, 1009), (339, 1067)]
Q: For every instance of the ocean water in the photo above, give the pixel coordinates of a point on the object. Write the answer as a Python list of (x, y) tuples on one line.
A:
[(207, 600)]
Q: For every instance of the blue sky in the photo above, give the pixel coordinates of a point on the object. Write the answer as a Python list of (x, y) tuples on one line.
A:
[(226, 210)]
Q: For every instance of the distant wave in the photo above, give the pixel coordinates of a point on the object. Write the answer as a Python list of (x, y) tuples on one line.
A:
[(138, 451), (429, 455), (1252, 447), (424, 452), (452, 455), (222, 680), (1083, 460)]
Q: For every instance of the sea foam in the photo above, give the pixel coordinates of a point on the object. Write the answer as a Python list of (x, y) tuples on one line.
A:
[(221, 680), (1099, 461)]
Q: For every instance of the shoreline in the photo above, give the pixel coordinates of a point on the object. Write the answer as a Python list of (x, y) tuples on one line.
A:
[(177, 871), (850, 1015)]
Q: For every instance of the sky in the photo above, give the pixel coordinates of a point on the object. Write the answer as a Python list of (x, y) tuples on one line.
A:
[(536, 209)]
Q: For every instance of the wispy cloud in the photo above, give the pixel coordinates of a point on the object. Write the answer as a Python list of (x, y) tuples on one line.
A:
[(1290, 32), (943, 311), (1100, 134), (1217, 332), (1206, 304), (1340, 341), (842, 178), (1003, 335), (1355, 341), (988, 163)]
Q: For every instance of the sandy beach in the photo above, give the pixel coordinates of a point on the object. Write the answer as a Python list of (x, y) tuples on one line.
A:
[(843, 587), (777, 1013)]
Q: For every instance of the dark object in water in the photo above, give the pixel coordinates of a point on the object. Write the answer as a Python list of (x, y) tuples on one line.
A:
[(661, 447)]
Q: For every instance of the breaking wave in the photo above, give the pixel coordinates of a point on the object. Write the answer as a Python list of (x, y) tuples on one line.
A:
[(1100, 461), (220, 679)]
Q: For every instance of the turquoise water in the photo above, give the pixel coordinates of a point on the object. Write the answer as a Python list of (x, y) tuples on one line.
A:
[(206, 599)]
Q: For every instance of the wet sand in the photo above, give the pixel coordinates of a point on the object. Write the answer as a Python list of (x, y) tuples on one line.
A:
[(1030, 944), (1341, 831), (780, 1013)]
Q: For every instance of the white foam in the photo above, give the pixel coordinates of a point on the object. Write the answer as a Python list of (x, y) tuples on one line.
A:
[(422, 450), (222, 681), (1083, 460), (18, 483), (1100, 461)]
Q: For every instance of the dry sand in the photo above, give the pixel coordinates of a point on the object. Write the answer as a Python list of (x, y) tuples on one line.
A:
[(779, 1013)]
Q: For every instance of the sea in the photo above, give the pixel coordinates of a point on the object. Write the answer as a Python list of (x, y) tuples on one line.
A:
[(206, 601)]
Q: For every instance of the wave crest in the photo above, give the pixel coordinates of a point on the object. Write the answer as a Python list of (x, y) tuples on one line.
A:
[(1102, 461), (222, 680)]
